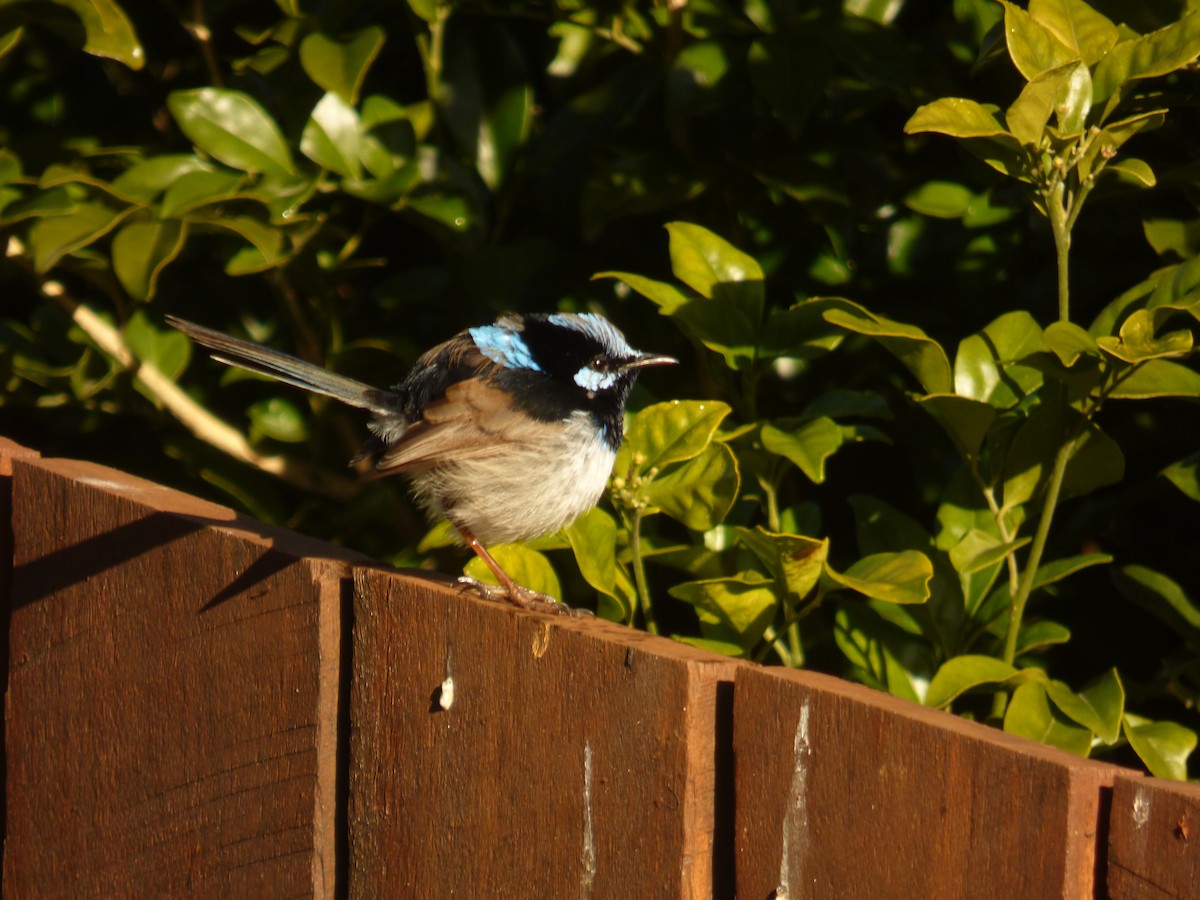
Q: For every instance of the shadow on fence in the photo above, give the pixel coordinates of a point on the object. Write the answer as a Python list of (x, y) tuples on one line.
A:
[(198, 704)]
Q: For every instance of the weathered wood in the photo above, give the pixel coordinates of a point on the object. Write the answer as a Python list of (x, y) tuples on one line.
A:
[(846, 792), (502, 754), (1154, 840), (172, 711)]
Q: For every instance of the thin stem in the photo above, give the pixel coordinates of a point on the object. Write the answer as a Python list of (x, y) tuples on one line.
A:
[(1057, 213), (639, 571)]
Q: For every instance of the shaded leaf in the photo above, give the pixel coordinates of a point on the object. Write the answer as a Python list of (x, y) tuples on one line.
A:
[(339, 66), (141, 250), (231, 127), (808, 446), (52, 238)]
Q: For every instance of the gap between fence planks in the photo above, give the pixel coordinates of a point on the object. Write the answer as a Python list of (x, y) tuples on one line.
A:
[(190, 712)]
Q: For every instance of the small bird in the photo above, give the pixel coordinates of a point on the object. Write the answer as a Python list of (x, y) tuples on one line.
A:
[(508, 430)]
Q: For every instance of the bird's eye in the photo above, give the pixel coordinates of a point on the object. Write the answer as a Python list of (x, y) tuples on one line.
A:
[(599, 363)]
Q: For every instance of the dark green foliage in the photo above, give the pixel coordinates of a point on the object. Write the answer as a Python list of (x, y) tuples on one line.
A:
[(969, 479)]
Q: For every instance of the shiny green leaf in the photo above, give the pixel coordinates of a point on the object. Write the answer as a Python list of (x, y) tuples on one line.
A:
[(808, 446), (919, 353), (1158, 53), (892, 577), (1069, 342), (233, 128), (1114, 136), (526, 567), (699, 493), (987, 366), (1139, 339), (956, 117), (142, 249), (194, 189), (960, 674), (978, 550), (1157, 378), (1077, 26), (593, 539), (1030, 715), (148, 178), (1039, 635), (339, 67), (1033, 47), (1063, 90), (670, 432), (965, 420), (52, 238), (107, 31), (794, 560), (667, 297), (333, 137), (941, 199), (1163, 746), (746, 603)]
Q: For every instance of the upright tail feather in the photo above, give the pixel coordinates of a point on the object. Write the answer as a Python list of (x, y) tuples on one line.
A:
[(288, 369)]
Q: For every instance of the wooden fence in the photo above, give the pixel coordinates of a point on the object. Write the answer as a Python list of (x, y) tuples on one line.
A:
[(201, 705)]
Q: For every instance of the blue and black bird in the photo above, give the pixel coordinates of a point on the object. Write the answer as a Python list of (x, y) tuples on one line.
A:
[(508, 430)]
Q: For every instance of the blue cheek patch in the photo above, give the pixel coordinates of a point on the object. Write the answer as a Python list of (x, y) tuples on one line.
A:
[(504, 347), (591, 380)]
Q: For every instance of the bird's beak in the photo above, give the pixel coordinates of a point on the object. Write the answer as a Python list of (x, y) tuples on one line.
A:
[(649, 359)]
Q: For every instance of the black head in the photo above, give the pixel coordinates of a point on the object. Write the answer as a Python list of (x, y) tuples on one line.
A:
[(554, 364)]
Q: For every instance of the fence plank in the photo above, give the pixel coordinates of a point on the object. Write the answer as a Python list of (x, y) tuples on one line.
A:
[(9, 451), (172, 710), (1154, 840), (846, 792), (501, 754)]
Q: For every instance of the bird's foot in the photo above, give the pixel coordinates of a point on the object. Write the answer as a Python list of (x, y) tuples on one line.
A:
[(522, 597)]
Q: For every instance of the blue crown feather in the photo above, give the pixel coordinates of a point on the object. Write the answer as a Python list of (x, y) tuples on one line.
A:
[(502, 345)]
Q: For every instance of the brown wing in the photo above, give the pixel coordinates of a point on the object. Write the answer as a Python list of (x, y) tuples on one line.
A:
[(472, 421)]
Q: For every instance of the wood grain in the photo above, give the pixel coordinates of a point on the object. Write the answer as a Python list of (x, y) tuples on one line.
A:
[(575, 758), (1154, 840), (847, 792), (172, 714)]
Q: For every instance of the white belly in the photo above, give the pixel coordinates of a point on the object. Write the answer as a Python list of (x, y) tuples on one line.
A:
[(529, 491)]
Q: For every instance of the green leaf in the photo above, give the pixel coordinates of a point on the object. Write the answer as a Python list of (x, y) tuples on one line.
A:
[(1033, 47), (53, 238), (10, 39), (746, 602), (1096, 459), (195, 189), (1132, 171), (333, 137), (593, 539), (1162, 597), (1157, 378), (1139, 340), (987, 366), (339, 67), (232, 127), (670, 432), (1029, 715), (141, 250), (1163, 746), (941, 199), (166, 349), (716, 269), (918, 352), (1149, 56), (808, 446), (266, 240), (977, 550), (108, 31), (793, 560), (1069, 342), (148, 178), (1076, 26), (1169, 236), (699, 493), (1114, 136), (526, 567), (965, 420), (667, 297), (1041, 634), (892, 577), (278, 418), (960, 674), (1185, 475), (1064, 90), (1099, 707), (955, 116)]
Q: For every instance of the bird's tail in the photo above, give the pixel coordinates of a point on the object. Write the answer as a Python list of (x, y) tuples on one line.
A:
[(288, 369)]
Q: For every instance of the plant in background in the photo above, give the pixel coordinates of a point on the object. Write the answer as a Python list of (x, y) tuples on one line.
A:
[(354, 183)]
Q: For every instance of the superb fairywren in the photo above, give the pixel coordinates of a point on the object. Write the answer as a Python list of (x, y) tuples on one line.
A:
[(508, 430)]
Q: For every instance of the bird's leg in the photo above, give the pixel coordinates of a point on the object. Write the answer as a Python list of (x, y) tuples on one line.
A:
[(507, 589)]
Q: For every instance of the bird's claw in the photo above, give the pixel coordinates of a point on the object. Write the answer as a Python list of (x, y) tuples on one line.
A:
[(522, 597)]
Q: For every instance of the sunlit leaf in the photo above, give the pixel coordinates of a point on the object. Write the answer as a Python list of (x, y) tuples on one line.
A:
[(339, 66), (233, 128), (955, 116), (52, 238), (670, 432), (1163, 746), (892, 577), (960, 674), (333, 137), (699, 493), (1158, 53), (1030, 715), (526, 567), (745, 602)]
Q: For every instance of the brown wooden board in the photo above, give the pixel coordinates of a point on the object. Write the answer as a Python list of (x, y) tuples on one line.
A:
[(172, 711), (1154, 840), (847, 792), (9, 451), (575, 759)]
